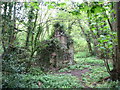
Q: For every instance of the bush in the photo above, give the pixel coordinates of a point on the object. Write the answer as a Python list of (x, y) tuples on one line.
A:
[(15, 60)]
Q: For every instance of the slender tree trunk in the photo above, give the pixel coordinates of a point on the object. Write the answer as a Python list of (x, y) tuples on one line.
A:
[(12, 35), (10, 23), (115, 73), (32, 38), (118, 36), (87, 40), (4, 27), (30, 25), (118, 24)]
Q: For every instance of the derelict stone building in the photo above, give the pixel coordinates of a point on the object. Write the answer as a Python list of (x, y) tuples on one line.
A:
[(57, 51)]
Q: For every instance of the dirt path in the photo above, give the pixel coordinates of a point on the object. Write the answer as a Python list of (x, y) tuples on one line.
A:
[(77, 73)]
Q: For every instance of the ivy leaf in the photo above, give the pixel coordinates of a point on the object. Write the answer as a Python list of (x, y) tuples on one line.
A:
[(35, 5), (53, 3), (86, 8), (50, 6), (75, 12), (46, 3), (97, 9), (26, 5), (61, 4)]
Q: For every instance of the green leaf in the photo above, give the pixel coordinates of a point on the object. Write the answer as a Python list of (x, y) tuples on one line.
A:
[(75, 12), (61, 4), (103, 48), (102, 36), (86, 8), (50, 6), (53, 3), (97, 9), (26, 5), (35, 5)]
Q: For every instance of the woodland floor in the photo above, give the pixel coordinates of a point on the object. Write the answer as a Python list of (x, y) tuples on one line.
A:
[(90, 71), (87, 72), (77, 73)]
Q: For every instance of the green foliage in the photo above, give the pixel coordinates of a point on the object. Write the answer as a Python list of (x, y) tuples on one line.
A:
[(19, 81), (80, 44), (78, 67), (82, 54), (96, 73), (90, 60), (35, 71), (52, 5), (64, 70), (1, 49), (75, 67), (46, 81), (85, 58), (31, 20), (96, 15), (109, 84), (16, 59), (97, 9), (13, 66), (34, 5), (60, 81), (107, 43)]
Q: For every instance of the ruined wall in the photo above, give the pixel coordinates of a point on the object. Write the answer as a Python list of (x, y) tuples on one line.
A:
[(57, 51)]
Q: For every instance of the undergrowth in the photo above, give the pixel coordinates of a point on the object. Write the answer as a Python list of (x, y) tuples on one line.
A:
[(97, 71), (36, 78), (41, 81)]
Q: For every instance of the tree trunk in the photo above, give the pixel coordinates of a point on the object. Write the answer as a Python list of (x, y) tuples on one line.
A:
[(87, 40), (115, 73), (29, 28), (4, 27)]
